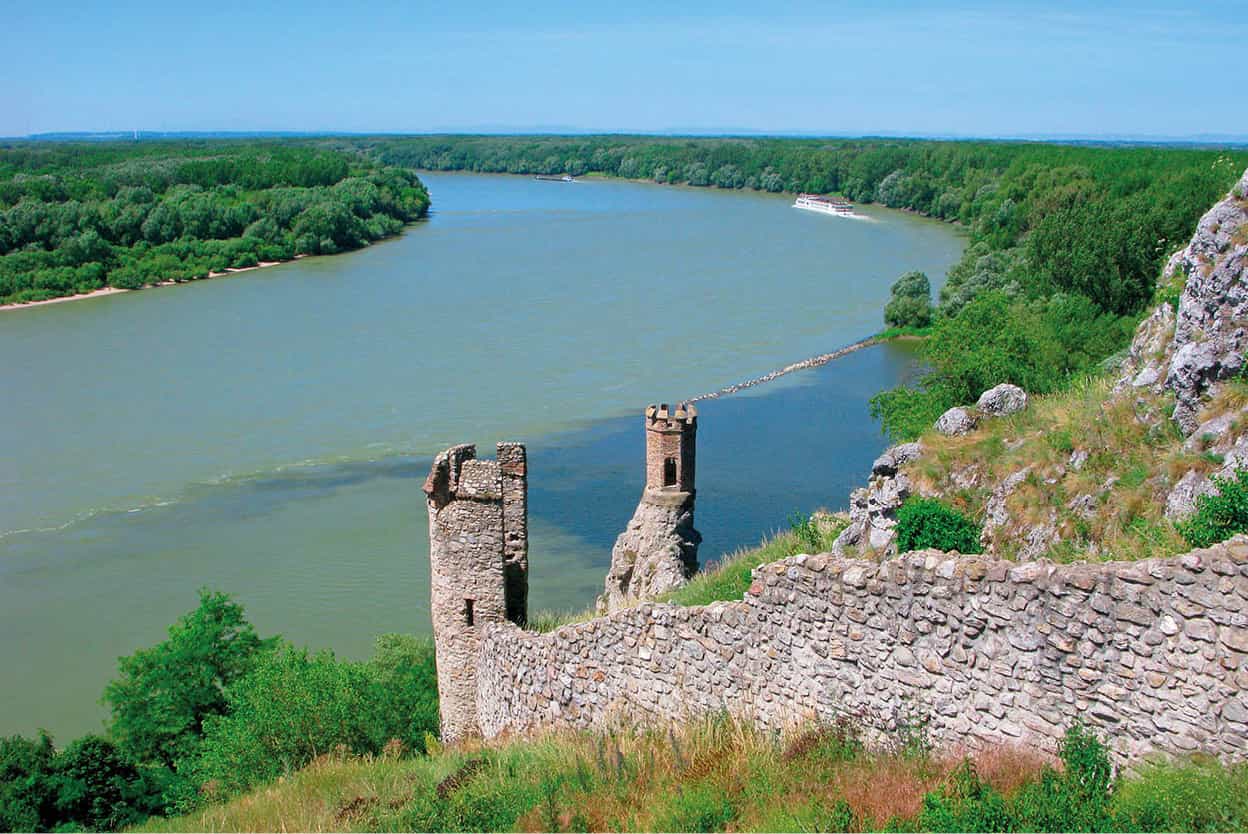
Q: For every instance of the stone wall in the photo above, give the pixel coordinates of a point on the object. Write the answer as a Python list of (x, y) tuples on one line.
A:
[(1152, 654)]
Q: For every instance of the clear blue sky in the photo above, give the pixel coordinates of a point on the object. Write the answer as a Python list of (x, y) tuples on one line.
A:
[(939, 67)]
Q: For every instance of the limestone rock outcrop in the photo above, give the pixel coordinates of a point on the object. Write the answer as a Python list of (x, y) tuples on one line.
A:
[(1211, 325), (656, 553), (1002, 399), (873, 509), (956, 421)]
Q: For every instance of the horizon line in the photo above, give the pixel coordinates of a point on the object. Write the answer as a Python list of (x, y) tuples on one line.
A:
[(556, 131)]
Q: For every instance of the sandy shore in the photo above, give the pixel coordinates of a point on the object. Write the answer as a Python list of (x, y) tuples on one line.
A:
[(115, 290)]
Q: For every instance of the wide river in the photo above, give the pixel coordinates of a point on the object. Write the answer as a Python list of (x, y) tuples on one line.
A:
[(267, 434)]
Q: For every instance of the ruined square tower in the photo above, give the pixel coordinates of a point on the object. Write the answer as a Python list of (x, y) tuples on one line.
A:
[(478, 561)]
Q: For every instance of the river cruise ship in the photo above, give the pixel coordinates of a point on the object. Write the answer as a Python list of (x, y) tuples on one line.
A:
[(826, 205)]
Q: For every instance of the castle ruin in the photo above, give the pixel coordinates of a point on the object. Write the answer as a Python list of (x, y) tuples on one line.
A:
[(479, 566), (658, 551)]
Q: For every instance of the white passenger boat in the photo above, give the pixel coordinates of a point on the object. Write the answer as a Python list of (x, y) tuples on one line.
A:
[(825, 205)]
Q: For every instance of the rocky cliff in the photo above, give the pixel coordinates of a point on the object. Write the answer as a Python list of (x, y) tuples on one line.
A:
[(1101, 471)]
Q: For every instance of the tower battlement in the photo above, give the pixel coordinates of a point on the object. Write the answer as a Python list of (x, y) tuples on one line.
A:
[(674, 418), (671, 435)]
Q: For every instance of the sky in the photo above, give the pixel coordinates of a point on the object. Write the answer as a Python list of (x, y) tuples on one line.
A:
[(942, 68)]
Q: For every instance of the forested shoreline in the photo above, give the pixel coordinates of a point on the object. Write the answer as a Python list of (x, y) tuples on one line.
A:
[(1066, 242), (76, 218)]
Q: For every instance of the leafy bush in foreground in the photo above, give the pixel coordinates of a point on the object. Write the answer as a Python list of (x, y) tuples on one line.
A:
[(1221, 515), (925, 522), (294, 705), (88, 786), (1075, 799), (165, 693)]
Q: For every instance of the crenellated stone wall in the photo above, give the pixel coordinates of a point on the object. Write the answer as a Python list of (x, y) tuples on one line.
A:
[(1153, 654)]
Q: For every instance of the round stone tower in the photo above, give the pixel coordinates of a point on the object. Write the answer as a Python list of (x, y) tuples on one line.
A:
[(478, 566)]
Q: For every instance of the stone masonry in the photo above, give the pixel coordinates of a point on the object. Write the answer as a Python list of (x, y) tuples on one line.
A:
[(1152, 654), (658, 551), (478, 559)]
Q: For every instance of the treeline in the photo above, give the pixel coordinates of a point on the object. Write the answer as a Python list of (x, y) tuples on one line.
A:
[(76, 218), (212, 711), (1065, 250)]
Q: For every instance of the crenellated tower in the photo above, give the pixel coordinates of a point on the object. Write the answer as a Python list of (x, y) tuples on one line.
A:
[(659, 549), (671, 448)]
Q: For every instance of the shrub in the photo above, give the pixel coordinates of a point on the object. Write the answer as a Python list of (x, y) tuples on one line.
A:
[(165, 693), (911, 302), (404, 669), (293, 706), (99, 789), (27, 796), (1077, 799), (1194, 796), (699, 807), (964, 803), (1221, 515), (88, 786), (925, 522)]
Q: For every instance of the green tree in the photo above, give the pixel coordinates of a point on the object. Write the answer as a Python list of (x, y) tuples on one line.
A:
[(165, 693), (911, 302), (27, 794)]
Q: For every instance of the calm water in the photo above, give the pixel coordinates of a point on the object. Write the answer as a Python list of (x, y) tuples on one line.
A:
[(268, 434)]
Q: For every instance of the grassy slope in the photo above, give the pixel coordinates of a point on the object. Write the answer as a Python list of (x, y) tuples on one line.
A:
[(711, 776), (1109, 507)]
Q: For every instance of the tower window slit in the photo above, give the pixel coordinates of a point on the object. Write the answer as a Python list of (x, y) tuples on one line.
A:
[(468, 617)]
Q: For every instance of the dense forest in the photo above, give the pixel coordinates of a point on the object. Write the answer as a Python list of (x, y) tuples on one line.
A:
[(1066, 241), (78, 217)]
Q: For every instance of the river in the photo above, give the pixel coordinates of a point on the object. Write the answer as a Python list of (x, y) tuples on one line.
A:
[(267, 434)]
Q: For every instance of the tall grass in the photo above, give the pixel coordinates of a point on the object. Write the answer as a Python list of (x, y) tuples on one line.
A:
[(716, 774)]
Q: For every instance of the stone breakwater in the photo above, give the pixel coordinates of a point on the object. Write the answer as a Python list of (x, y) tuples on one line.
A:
[(812, 362), (1151, 654)]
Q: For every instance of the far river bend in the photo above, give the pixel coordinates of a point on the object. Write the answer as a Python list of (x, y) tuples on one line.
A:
[(267, 434)]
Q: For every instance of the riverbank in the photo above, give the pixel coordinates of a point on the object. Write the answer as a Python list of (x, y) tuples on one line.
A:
[(100, 293)]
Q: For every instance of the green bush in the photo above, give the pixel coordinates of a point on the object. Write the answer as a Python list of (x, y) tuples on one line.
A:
[(1221, 515), (293, 706), (964, 803), (925, 522), (88, 786), (698, 807), (1200, 795), (27, 794), (99, 789), (910, 304), (404, 670), (1075, 799), (166, 693)]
